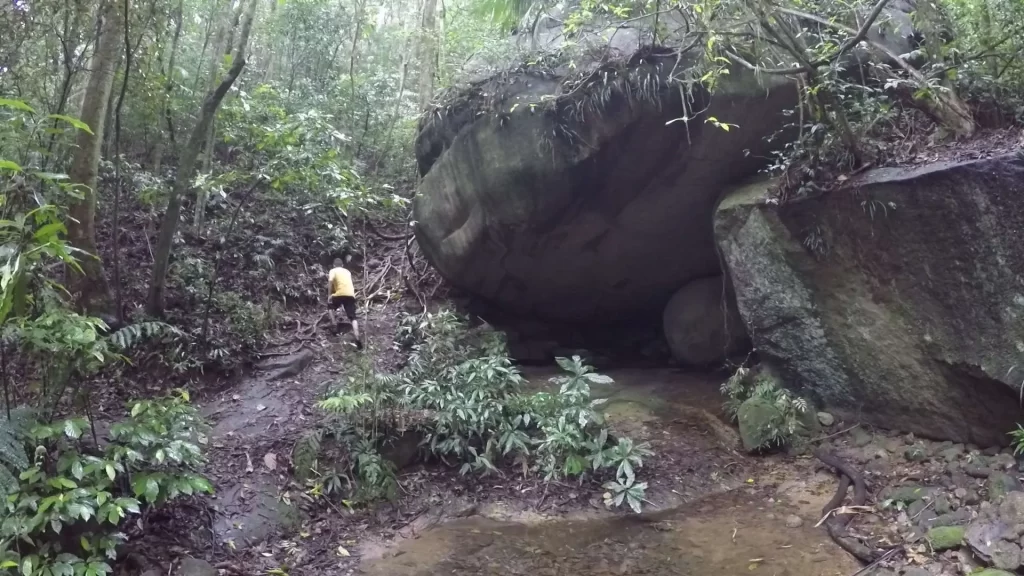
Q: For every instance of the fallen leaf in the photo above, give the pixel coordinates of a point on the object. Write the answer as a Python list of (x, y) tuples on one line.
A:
[(260, 407), (343, 552), (270, 461), (248, 463)]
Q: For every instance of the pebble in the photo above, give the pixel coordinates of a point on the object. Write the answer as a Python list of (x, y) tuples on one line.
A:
[(794, 521), (826, 419), (915, 453)]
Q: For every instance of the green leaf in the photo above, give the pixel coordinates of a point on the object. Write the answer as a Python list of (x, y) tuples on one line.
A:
[(110, 472), (8, 165), (16, 104), (152, 490), (73, 121), (76, 470), (26, 566), (51, 176), (71, 429)]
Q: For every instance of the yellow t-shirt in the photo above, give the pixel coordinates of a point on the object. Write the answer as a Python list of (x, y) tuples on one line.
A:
[(340, 281)]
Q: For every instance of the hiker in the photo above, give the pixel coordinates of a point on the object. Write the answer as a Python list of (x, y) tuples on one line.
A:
[(342, 293)]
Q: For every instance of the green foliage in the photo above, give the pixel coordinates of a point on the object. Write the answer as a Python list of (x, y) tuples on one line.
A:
[(1017, 440), (746, 383), (462, 395), (64, 514), (13, 458)]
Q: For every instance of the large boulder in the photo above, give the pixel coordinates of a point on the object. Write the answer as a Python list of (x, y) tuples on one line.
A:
[(897, 300), (701, 323), (570, 199)]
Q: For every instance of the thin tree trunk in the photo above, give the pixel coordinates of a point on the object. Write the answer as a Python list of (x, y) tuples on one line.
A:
[(165, 106), (90, 285), (128, 52), (186, 170), (360, 4), (427, 55), (221, 48)]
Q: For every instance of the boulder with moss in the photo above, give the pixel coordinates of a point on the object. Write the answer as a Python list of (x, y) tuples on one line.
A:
[(896, 299)]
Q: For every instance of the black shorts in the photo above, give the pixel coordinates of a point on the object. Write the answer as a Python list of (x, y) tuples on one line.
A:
[(348, 302)]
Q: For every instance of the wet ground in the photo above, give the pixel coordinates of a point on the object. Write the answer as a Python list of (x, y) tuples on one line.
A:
[(727, 534)]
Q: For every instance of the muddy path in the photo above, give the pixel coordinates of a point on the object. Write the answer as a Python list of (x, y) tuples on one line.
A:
[(730, 533)]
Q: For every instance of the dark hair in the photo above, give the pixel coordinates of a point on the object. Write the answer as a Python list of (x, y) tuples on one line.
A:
[(338, 262)]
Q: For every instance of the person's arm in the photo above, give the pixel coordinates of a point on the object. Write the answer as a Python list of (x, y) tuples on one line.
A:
[(330, 284)]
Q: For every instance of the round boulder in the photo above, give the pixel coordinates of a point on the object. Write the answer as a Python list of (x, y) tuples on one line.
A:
[(701, 323)]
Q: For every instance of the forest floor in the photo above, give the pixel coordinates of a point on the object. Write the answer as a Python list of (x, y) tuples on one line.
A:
[(262, 519)]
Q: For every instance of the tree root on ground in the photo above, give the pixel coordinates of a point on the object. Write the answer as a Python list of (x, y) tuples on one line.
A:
[(836, 524)]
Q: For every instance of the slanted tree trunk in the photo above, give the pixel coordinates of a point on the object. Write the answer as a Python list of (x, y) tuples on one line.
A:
[(89, 285), (165, 104), (221, 48), (187, 169), (428, 58)]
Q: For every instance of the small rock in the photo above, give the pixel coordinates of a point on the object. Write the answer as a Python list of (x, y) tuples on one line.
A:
[(1011, 509), (977, 470), (952, 453), (757, 416), (984, 539), (860, 437), (991, 451), (794, 521), (916, 508), (960, 493), (1003, 461), (1005, 555), (942, 504), (916, 571), (909, 494), (945, 537), (1000, 484), (196, 567), (961, 517), (915, 453), (893, 445), (826, 419)]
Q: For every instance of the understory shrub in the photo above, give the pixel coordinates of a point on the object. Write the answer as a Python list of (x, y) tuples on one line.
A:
[(65, 509), (461, 392), (745, 384)]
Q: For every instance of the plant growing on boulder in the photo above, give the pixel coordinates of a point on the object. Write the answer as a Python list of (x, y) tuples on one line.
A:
[(768, 414)]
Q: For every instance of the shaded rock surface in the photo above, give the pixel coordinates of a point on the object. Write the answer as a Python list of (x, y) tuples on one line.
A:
[(896, 299), (591, 208), (702, 324)]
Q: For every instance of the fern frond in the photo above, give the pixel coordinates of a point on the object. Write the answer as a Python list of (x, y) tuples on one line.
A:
[(130, 336), (13, 458)]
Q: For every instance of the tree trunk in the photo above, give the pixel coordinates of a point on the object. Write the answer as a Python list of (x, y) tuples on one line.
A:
[(89, 285), (427, 56), (187, 167), (221, 48), (165, 105)]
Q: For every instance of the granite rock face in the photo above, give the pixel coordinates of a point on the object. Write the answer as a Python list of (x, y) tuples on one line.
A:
[(896, 300)]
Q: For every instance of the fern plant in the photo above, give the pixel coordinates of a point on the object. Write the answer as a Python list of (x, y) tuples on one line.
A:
[(13, 459), (130, 336)]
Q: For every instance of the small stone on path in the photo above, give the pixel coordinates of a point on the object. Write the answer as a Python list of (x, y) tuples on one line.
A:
[(826, 419), (794, 521)]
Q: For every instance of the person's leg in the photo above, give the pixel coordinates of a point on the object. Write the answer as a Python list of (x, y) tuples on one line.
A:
[(350, 311), (332, 305)]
